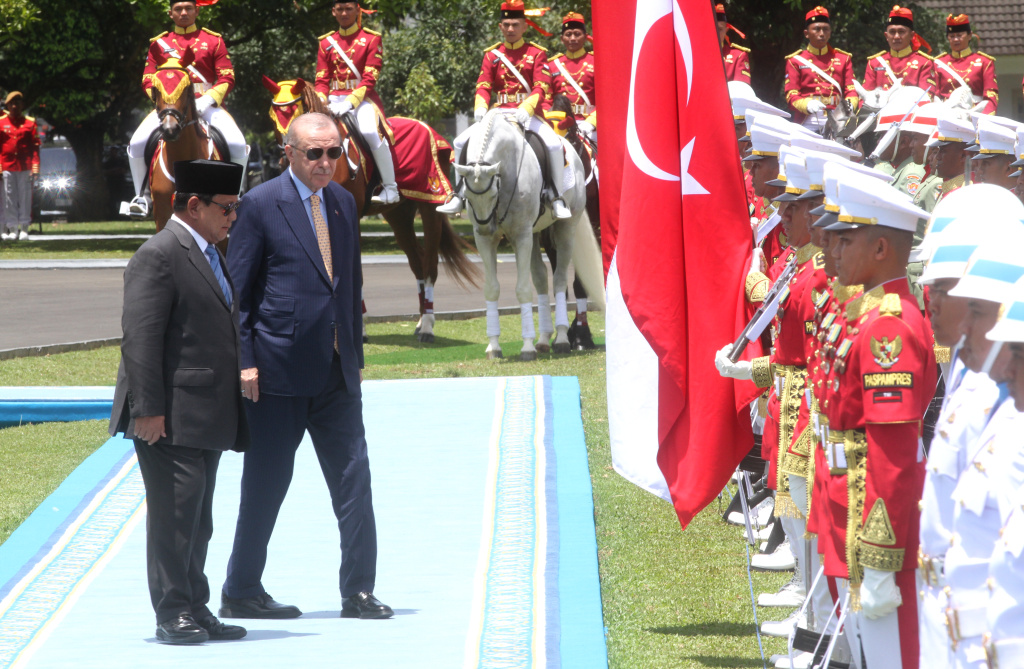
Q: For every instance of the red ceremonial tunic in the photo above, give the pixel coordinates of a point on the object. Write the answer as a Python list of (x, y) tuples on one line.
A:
[(19, 144), (804, 83), (211, 60), (497, 86), (335, 77), (883, 378), (580, 67), (912, 67), (737, 62), (977, 69)]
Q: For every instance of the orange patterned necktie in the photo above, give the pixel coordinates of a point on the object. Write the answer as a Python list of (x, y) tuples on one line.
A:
[(323, 239)]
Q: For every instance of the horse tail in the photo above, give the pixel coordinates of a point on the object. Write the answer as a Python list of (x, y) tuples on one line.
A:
[(586, 257), (453, 249)]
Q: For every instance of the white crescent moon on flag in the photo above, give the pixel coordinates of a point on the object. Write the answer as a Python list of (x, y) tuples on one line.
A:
[(648, 12)]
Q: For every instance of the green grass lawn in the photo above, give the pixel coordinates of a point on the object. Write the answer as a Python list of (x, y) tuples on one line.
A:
[(671, 598)]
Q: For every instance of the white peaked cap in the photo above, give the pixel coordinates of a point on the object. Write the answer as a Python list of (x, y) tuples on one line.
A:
[(867, 201), (950, 130), (835, 172), (765, 142), (816, 143)]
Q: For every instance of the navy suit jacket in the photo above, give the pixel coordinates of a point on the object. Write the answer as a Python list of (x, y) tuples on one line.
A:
[(289, 310)]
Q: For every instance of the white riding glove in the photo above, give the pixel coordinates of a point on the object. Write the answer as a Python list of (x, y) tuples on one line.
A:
[(879, 595), (340, 108), (742, 370), (522, 118), (757, 261), (815, 106), (204, 103), (585, 129), (478, 114)]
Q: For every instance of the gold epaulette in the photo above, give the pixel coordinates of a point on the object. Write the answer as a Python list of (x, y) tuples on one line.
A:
[(207, 30), (944, 53), (891, 305), (982, 53), (492, 47), (741, 48), (325, 36), (795, 53), (922, 53), (819, 261), (30, 118), (372, 32), (876, 55), (542, 48), (159, 36), (845, 53)]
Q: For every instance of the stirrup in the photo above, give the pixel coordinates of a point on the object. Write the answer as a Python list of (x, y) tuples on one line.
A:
[(451, 207), (139, 207), (559, 210), (388, 195)]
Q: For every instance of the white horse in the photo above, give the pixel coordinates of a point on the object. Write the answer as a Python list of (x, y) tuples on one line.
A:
[(503, 184)]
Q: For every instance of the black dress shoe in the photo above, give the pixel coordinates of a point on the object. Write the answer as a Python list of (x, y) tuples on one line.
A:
[(218, 631), (364, 605), (183, 629), (261, 606)]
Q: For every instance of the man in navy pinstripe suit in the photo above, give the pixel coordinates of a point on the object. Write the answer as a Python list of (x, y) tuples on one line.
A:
[(294, 257)]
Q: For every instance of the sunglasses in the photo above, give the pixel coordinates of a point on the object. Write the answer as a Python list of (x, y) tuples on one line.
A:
[(228, 208), (315, 154)]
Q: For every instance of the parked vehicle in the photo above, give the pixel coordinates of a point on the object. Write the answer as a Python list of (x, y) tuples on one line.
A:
[(58, 176)]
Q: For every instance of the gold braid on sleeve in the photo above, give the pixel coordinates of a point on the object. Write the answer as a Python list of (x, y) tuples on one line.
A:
[(757, 286), (762, 372)]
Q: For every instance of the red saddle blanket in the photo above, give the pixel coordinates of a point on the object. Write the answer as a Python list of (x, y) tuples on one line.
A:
[(422, 157)]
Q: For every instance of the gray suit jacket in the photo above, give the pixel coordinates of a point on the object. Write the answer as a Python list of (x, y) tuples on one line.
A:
[(180, 347)]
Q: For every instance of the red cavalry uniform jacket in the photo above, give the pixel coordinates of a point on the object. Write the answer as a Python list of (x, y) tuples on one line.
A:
[(335, 77), (579, 65), (803, 83), (883, 378), (977, 69), (19, 144), (913, 67), (737, 62), (499, 87), (211, 60)]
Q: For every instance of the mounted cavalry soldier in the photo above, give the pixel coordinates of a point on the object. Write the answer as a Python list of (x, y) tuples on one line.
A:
[(736, 58), (515, 76), (962, 67), (819, 77), (572, 74), (212, 76), (348, 64), (903, 61)]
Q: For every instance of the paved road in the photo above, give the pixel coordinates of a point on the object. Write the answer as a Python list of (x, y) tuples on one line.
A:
[(40, 307)]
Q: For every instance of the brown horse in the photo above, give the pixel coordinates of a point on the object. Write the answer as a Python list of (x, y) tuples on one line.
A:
[(353, 172), (182, 137), (579, 332)]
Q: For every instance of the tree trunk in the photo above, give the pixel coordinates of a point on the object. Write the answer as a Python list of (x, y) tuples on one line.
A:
[(91, 201)]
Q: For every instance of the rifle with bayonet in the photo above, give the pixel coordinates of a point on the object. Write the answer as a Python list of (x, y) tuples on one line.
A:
[(765, 313)]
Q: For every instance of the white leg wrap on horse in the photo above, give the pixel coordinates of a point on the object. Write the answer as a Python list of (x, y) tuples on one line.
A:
[(526, 313), (561, 310), (581, 305), (544, 314), (221, 120), (428, 297), (493, 324), (137, 150)]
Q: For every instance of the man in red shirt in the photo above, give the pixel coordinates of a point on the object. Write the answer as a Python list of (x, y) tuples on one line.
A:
[(962, 67), (736, 58), (19, 161), (212, 77), (348, 64), (819, 77), (903, 61), (572, 73)]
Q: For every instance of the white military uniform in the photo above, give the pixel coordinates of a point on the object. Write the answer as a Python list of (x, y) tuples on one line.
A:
[(1005, 612)]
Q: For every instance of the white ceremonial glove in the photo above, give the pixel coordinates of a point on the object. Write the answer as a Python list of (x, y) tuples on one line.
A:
[(522, 118), (478, 114), (757, 262), (879, 595), (203, 104), (741, 370), (585, 129), (340, 108), (815, 106)]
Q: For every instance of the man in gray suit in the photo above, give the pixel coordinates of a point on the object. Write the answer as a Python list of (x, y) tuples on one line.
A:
[(178, 392)]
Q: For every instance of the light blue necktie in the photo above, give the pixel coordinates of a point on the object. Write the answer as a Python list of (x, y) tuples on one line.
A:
[(214, 258)]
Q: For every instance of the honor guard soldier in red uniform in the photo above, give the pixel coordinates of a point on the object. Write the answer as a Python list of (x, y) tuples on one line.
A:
[(820, 76), (515, 76), (212, 77), (19, 163), (348, 64), (963, 67), (903, 61), (883, 376), (572, 73), (736, 58)]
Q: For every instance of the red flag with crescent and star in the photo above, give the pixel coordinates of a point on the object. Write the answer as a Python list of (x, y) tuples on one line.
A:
[(676, 238)]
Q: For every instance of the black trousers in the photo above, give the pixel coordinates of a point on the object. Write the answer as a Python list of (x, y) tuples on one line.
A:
[(334, 420), (179, 523)]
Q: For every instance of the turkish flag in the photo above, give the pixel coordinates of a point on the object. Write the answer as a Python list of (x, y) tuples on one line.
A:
[(676, 238)]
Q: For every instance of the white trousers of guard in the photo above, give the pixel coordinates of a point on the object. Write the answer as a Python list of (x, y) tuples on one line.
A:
[(367, 120), (552, 142), (932, 625), (17, 204), (881, 639), (216, 116)]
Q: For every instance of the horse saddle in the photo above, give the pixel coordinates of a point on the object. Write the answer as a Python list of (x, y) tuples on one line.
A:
[(218, 143)]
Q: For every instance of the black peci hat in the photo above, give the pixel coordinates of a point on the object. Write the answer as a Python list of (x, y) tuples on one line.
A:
[(207, 177)]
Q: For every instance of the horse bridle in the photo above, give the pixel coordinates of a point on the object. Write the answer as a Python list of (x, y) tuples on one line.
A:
[(177, 115), (497, 195)]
